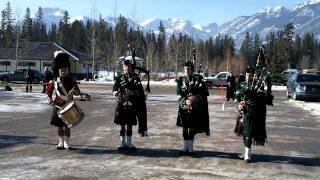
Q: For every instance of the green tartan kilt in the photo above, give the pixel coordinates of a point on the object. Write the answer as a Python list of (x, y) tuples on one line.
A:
[(55, 120)]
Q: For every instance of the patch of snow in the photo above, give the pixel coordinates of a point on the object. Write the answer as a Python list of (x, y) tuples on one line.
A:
[(305, 3), (197, 26), (59, 13), (147, 22), (23, 102), (74, 18), (313, 107)]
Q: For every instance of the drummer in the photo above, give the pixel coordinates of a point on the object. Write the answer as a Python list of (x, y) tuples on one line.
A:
[(65, 87)]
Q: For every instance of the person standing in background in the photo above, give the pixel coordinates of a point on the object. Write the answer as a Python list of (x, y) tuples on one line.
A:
[(28, 76), (47, 77)]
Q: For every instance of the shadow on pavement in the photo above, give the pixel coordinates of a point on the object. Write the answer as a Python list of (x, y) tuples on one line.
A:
[(305, 161), (7, 141), (174, 153)]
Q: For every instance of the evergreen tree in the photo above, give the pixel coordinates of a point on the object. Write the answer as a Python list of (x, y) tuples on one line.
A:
[(2, 29), (256, 44), (161, 48), (27, 26), (39, 28), (308, 51), (287, 43), (65, 35), (52, 34), (7, 26), (246, 50), (297, 49)]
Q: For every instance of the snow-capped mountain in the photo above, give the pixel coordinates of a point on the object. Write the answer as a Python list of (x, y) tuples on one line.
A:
[(54, 15), (305, 18), (172, 25), (176, 26)]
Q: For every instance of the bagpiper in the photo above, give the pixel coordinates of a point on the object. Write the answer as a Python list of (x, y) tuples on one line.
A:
[(65, 87), (252, 97), (131, 104), (193, 115)]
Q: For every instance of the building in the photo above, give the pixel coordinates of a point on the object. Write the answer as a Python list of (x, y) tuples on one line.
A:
[(128, 56), (37, 55)]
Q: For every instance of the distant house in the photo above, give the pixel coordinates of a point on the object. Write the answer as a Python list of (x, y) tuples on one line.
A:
[(128, 56), (37, 55)]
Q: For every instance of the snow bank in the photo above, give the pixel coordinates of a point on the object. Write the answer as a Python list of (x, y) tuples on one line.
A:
[(313, 107)]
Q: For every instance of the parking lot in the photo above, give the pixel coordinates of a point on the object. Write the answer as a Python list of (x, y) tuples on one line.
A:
[(27, 141)]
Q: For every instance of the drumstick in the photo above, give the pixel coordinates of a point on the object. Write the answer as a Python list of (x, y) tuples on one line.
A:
[(58, 107), (71, 90)]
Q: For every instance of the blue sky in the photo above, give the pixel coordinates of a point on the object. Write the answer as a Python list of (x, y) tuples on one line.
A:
[(198, 11)]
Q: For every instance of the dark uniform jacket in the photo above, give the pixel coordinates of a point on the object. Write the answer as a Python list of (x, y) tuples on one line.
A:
[(198, 116), (253, 116), (231, 88), (28, 75), (128, 111)]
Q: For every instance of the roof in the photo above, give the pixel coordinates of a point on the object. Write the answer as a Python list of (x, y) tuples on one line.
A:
[(39, 51), (130, 58)]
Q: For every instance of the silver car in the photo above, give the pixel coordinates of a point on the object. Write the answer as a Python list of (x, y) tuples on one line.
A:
[(218, 80), (302, 86)]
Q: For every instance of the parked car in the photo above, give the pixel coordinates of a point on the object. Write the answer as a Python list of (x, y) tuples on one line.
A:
[(286, 75), (218, 80), (303, 86), (313, 71), (18, 75)]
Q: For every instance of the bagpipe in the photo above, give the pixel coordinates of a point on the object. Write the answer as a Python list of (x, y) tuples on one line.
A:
[(140, 69), (261, 79), (130, 91), (191, 89)]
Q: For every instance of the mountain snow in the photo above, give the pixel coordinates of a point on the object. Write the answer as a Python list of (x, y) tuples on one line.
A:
[(305, 17)]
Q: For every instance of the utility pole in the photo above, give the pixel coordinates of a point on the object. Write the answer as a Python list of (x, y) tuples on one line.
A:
[(17, 45), (114, 40), (17, 38), (93, 42)]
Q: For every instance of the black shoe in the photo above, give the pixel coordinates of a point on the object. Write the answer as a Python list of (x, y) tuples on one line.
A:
[(183, 153), (248, 160), (132, 148), (60, 148), (192, 154), (121, 148)]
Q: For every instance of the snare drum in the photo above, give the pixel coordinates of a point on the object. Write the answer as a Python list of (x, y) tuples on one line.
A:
[(71, 114)]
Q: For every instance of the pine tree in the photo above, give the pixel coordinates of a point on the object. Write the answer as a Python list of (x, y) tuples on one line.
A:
[(52, 34), (7, 26), (65, 35), (161, 48), (2, 29), (27, 26), (39, 31), (256, 44), (297, 49), (288, 35), (246, 50), (121, 32)]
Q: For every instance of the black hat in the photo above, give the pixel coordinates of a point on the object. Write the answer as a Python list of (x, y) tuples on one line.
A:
[(126, 61), (189, 64), (61, 60), (250, 70)]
